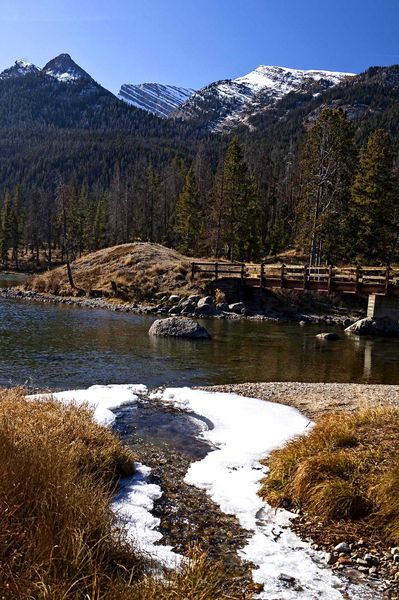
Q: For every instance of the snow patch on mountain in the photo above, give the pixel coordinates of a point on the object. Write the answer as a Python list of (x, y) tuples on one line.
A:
[(284, 80), (19, 69), (230, 102), (156, 98), (65, 70)]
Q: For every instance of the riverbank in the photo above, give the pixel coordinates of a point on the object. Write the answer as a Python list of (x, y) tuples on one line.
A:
[(354, 546), (174, 305)]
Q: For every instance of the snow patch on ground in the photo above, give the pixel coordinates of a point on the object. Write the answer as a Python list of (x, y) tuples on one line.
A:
[(246, 430), (135, 498), (133, 505), (103, 399)]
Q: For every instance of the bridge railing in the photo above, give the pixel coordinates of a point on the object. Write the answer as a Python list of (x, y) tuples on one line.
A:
[(324, 277)]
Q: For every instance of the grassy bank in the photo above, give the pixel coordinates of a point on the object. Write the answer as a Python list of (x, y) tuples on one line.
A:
[(58, 538), (134, 272), (344, 473)]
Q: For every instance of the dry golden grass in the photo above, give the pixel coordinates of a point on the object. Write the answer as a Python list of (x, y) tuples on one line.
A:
[(129, 271), (58, 537), (58, 471), (345, 468)]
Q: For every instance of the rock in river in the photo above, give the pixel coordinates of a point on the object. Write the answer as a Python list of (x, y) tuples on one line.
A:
[(178, 327), (328, 335), (384, 326)]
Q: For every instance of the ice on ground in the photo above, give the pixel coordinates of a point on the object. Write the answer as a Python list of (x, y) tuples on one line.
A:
[(246, 430), (103, 399), (133, 505)]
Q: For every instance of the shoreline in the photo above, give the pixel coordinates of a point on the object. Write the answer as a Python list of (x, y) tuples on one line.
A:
[(315, 399), (340, 319)]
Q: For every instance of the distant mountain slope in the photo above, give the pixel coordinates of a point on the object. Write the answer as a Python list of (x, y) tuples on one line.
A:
[(226, 104), (62, 94), (59, 121), (370, 99), (155, 98)]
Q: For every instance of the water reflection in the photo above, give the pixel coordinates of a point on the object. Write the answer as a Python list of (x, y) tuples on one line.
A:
[(62, 346)]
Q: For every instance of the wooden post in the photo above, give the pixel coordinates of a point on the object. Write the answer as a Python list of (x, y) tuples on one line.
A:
[(387, 280), (282, 276), (242, 272), (305, 273), (216, 270), (262, 274), (357, 277), (330, 274), (192, 270)]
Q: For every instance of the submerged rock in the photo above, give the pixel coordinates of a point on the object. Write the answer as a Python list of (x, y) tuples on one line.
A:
[(328, 335), (384, 326), (178, 327)]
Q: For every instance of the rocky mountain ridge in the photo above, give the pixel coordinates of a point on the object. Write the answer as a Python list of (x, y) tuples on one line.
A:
[(156, 98)]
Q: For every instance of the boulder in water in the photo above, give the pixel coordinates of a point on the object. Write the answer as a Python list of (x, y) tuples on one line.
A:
[(384, 326), (178, 327)]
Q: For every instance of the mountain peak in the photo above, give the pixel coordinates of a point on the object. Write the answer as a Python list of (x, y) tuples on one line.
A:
[(286, 79), (225, 104), (19, 69), (65, 69)]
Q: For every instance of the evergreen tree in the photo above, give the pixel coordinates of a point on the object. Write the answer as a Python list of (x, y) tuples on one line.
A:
[(5, 228), (374, 214), (243, 206), (188, 219), (17, 226), (327, 171)]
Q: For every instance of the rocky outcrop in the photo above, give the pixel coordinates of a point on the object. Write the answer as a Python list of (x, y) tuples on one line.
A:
[(178, 327), (384, 326)]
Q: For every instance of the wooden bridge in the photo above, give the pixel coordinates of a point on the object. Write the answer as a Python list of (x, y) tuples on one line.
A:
[(366, 281)]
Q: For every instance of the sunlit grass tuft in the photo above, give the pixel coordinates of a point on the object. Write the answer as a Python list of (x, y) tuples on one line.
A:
[(345, 468)]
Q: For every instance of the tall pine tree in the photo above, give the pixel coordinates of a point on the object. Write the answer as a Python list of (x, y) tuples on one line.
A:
[(242, 205), (5, 228), (375, 203), (188, 219)]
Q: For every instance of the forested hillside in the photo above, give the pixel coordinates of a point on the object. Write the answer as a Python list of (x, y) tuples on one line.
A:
[(81, 170)]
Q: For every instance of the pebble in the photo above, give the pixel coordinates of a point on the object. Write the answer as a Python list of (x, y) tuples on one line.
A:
[(371, 559), (342, 547), (330, 558)]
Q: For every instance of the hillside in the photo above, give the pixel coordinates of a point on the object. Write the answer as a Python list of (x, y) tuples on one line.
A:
[(130, 271), (58, 122)]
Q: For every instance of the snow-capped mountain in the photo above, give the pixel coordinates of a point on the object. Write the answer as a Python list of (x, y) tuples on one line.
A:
[(64, 69), (156, 98), (19, 69), (231, 102)]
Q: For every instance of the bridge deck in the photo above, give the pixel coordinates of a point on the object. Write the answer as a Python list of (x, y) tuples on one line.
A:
[(329, 279)]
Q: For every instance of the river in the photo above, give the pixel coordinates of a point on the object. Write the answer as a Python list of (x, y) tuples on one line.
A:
[(63, 347)]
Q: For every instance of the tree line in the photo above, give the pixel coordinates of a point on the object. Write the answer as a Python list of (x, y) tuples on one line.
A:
[(325, 196)]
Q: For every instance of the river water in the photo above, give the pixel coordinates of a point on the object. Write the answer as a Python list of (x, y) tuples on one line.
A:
[(61, 347)]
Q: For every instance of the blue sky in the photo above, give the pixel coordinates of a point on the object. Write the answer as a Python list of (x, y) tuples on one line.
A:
[(194, 42)]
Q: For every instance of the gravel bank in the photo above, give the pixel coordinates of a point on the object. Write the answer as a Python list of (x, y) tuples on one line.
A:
[(315, 399)]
